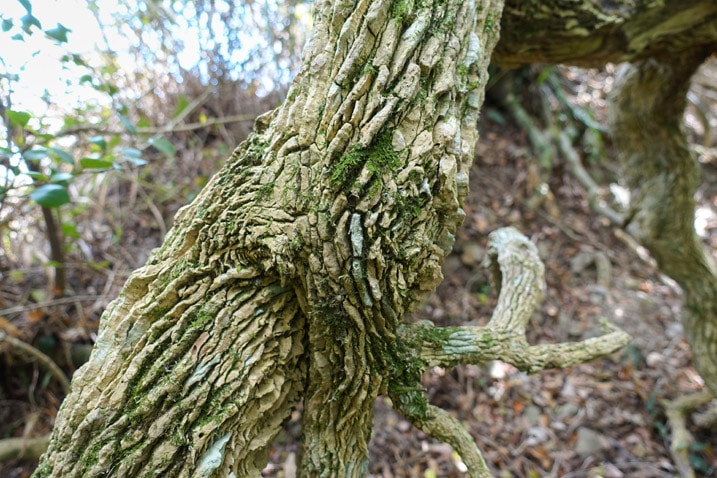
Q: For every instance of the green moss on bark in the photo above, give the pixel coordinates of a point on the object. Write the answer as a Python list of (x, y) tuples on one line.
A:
[(377, 158)]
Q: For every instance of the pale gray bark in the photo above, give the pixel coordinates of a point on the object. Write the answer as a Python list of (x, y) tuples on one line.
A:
[(646, 123), (289, 275), (592, 33)]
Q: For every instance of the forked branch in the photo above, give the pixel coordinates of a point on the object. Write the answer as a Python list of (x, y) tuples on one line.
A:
[(518, 274)]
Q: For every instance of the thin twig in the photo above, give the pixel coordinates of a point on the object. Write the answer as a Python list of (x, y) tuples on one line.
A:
[(584, 178), (44, 360), (18, 309), (163, 130), (28, 448), (676, 411)]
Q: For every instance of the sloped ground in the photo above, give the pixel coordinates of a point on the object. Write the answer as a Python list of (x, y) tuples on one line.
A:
[(597, 419)]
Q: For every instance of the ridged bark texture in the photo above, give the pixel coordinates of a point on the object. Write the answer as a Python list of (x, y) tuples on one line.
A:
[(646, 123), (384, 128), (289, 273), (594, 32)]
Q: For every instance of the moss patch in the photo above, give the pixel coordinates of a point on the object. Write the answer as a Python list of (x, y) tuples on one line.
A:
[(377, 158)]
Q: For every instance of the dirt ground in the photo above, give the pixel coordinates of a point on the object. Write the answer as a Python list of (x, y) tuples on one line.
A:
[(599, 419)]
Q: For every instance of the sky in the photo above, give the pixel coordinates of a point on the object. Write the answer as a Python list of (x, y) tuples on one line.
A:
[(36, 59)]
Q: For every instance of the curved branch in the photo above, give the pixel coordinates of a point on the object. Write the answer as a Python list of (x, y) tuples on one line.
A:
[(518, 273), (516, 266), (443, 426)]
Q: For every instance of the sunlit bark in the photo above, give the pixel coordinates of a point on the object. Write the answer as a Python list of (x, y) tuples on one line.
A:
[(289, 274), (288, 277)]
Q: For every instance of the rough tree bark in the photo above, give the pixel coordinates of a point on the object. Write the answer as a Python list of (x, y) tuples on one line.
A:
[(289, 275), (595, 32)]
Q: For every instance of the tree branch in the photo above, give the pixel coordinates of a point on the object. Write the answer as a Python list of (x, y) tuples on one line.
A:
[(23, 448), (443, 426), (172, 128), (516, 266)]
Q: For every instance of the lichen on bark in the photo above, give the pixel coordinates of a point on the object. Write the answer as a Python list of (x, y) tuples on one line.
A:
[(291, 270), (289, 275)]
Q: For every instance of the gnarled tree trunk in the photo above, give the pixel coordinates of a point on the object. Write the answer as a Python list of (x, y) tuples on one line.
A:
[(646, 123), (288, 276), (290, 272)]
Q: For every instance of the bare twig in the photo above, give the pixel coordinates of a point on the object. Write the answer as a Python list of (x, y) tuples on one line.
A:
[(18, 309), (163, 130), (677, 411), (43, 359), (584, 178)]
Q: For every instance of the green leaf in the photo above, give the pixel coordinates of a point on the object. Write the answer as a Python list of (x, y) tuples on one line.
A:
[(26, 4), (58, 33), (35, 154), (28, 21), (61, 178), (50, 195), (18, 118), (133, 156), (45, 381), (131, 153), (62, 155), (99, 142), (163, 145), (544, 75), (114, 141), (95, 163), (17, 37), (74, 58), (36, 175), (99, 265), (70, 230), (182, 103), (127, 124), (6, 25)]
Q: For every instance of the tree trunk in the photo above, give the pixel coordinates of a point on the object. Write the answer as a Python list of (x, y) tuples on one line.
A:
[(646, 124), (592, 33), (290, 272), (289, 275)]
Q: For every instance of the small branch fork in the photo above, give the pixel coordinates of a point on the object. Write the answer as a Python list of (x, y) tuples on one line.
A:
[(519, 274)]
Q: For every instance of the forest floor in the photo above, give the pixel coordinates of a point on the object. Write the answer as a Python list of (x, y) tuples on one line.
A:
[(603, 418)]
